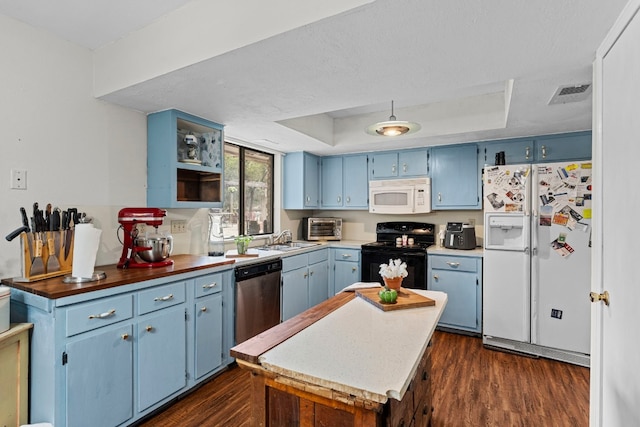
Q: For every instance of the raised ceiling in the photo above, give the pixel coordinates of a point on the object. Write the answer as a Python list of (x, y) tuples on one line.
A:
[(291, 79)]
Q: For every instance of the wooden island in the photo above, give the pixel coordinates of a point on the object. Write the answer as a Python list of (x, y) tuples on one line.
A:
[(344, 362)]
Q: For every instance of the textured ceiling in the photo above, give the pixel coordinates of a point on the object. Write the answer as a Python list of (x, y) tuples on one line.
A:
[(466, 70)]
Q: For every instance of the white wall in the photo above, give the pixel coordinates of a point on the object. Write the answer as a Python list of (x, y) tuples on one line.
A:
[(78, 151)]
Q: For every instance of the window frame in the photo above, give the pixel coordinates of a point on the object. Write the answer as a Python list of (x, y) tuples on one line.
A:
[(242, 188)]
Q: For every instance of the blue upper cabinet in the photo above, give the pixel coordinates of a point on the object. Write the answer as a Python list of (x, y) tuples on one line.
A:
[(399, 164), (344, 183), (564, 147), (413, 162), (455, 177), (539, 149), (184, 161), (331, 182), (383, 165), (355, 183), (301, 186), (516, 151)]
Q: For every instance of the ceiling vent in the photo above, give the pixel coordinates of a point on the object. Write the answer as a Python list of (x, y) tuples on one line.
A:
[(571, 93)]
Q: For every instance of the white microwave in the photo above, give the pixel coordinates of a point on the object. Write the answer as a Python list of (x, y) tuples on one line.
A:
[(400, 196)]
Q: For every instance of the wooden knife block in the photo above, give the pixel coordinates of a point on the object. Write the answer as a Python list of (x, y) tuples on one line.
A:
[(27, 242)]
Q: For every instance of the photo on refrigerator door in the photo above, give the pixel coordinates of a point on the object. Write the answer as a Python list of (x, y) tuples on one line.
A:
[(505, 188)]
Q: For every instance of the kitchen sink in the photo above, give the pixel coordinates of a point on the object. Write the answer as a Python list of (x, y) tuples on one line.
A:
[(286, 246)]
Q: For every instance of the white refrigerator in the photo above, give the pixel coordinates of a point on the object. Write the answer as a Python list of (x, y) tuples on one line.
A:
[(537, 259)]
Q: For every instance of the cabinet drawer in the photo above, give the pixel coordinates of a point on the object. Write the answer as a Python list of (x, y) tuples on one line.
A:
[(161, 297), (294, 262), (346, 255), (454, 263), (208, 285), (318, 256), (93, 315)]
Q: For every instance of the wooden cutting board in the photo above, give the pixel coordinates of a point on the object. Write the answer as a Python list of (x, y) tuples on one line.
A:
[(406, 299)]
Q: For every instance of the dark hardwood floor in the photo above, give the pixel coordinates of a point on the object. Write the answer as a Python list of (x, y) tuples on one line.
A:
[(472, 386)]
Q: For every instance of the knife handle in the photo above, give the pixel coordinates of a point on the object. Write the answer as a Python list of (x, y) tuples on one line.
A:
[(25, 219), (52, 246), (15, 233), (37, 250)]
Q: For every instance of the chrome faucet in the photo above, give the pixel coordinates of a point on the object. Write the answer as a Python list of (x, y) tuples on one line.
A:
[(284, 236)]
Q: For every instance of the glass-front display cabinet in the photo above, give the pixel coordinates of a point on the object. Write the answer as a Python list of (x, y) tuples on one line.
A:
[(184, 161)]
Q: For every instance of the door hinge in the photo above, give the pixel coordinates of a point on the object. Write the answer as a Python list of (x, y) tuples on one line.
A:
[(64, 358)]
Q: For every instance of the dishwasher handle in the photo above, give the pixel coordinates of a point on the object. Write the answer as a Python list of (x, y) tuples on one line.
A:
[(258, 269)]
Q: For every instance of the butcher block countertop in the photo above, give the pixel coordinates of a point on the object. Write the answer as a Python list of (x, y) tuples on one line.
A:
[(347, 345), (55, 288)]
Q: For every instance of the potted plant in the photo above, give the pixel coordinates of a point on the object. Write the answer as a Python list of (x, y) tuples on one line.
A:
[(242, 243), (393, 273)]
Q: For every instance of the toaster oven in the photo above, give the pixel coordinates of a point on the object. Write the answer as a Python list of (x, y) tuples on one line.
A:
[(322, 228)]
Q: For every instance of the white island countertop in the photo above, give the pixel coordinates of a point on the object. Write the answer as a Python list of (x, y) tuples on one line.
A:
[(359, 349)]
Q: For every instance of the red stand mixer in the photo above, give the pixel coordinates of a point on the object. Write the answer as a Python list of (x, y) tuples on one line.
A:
[(140, 251)]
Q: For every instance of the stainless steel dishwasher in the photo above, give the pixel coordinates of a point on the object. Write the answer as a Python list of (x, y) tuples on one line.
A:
[(257, 298)]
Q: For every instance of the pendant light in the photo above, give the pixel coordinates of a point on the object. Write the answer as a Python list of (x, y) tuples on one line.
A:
[(392, 127)]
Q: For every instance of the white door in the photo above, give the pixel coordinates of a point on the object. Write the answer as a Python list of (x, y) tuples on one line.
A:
[(615, 377)]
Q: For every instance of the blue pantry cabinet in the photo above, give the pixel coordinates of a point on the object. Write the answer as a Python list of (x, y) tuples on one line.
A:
[(185, 160), (112, 356)]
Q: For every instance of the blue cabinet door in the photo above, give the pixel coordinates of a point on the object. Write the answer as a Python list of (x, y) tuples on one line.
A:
[(383, 165), (331, 182), (413, 163), (300, 181), (99, 386), (208, 334), (461, 289), (565, 147), (355, 181), (318, 283), (345, 273), (161, 361), (454, 177), (295, 291), (516, 151)]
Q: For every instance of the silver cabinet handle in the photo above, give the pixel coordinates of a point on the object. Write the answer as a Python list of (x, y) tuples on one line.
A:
[(453, 264), (125, 336), (527, 152), (212, 285), (305, 275), (435, 277), (311, 273), (203, 309), (103, 315), (404, 167), (346, 255), (164, 298), (393, 168), (354, 269), (439, 197), (348, 199), (339, 199), (148, 328), (544, 152), (308, 199)]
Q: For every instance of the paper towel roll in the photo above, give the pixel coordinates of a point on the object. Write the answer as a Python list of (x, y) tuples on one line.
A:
[(85, 248)]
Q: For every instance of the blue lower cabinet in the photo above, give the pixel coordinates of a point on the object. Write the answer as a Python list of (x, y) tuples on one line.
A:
[(460, 277), (108, 358), (345, 268)]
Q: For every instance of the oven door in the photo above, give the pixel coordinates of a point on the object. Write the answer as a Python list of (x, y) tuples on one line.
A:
[(416, 266)]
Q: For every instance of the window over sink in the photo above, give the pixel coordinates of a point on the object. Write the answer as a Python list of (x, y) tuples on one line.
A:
[(248, 191)]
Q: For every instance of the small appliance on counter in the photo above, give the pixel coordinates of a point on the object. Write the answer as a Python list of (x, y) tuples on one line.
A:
[(460, 236), (322, 228), (144, 249)]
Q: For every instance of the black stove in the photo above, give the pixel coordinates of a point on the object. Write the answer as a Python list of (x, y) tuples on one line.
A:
[(404, 240)]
